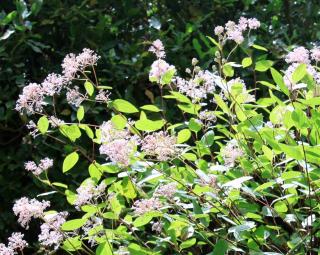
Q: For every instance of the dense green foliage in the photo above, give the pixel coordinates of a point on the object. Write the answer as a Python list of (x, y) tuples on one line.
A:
[(36, 35)]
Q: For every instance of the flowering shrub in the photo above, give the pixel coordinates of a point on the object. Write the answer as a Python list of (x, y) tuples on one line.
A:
[(234, 171)]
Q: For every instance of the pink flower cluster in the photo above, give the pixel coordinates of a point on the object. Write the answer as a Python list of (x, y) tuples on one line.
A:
[(198, 87), (167, 190), (32, 98), (92, 229), (231, 153), (158, 49), (143, 206), (234, 32), (103, 96), (26, 209), (301, 55), (207, 118), (159, 67), (241, 87), (44, 165), (51, 235), (117, 144), (55, 122), (89, 193), (74, 97), (160, 144), (16, 244), (72, 63), (210, 180)]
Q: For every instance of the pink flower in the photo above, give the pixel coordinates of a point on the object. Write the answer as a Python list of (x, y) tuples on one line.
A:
[(235, 35), (242, 24), (198, 88), (74, 63), (44, 165), (298, 55), (158, 69), (231, 153), (53, 84), (117, 144), (55, 122), (103, 96), (4, 250), (159, 144), (158, 49), (157, 227), (51, 235), (315, 54), (218, 30), (26, 209), (31, 99), (74, 97), (16, 241), (253, 23), (167, 190), (143, 206), (89, 193), (70, 66), (118, 151), (87, 58)]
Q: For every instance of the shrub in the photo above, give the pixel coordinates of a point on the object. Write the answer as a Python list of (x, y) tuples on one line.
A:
[(232, 170)]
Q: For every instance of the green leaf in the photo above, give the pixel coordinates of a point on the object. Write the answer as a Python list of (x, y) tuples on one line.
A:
[(89, 88), (72, 132), (299, 73), (220, 248), (104, 249), (194, 125), (188, 243), (208, 138), (43, 124), (124, 106), (300, 119), (110, 168), (149, 125), (59, 184), (142, 220), (183, 136), (278, 79), (151, 108), (70, 161), (80, 113), (291, 175), (221, 104), (73, 224), (178, 96), (258, 47), (72, 244), (228, 70), (189, 156), (136, 249), (246, 62), (119, 121), (167, 77), (280, 207), (95, 171), (88, 131), (264, 186), (263, 65), (190, 108), (214, 42)]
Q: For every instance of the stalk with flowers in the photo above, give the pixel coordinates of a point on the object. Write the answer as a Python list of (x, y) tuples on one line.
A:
[(235, 171)]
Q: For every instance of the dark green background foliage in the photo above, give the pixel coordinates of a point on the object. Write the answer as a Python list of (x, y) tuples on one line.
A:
[(35, 35)]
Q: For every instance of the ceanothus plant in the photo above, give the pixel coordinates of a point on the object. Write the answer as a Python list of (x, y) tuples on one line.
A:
[(236, 171)]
